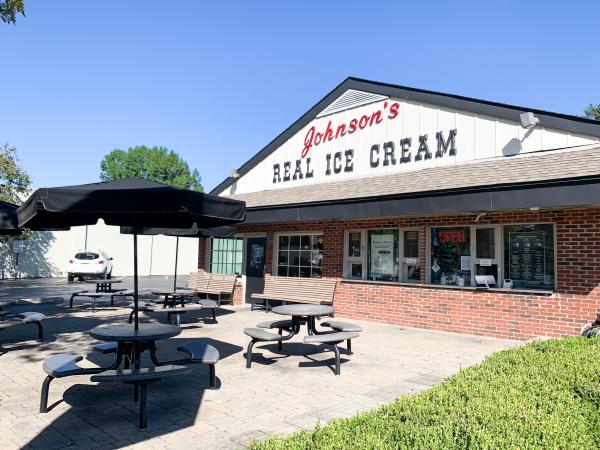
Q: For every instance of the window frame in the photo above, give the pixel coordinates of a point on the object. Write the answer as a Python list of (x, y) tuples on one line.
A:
[(209, 252), (275, 256), (364, 249), (499, 250), (349, 260)]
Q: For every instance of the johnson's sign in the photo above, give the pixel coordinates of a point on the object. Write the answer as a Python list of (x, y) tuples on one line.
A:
[(393, 152), (314, 137)]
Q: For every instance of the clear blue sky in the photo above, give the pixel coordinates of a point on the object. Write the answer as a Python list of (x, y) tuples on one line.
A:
[(216, 81)]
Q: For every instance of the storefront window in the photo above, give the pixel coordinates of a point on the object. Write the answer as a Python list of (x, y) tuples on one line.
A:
[(300, 255), (451, 256), (529, 256), (411, 271), (382, 255), (226, 255)]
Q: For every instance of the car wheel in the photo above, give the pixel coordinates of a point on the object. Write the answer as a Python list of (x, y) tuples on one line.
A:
[(109, 276), (70, 277), (103, 275)]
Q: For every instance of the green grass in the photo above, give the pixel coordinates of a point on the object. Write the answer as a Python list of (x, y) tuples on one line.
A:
[(543, 395)]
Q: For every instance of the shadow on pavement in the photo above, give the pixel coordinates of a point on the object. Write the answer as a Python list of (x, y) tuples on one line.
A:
[(107, 413)]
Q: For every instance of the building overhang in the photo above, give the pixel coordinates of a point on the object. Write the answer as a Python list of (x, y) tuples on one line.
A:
[(563, 193)]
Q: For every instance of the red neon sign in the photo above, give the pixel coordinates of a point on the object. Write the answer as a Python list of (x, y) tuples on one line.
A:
[(314, 137), (452, 236)]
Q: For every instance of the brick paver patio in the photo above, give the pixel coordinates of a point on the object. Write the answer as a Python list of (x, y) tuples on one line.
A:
[(281, 392)]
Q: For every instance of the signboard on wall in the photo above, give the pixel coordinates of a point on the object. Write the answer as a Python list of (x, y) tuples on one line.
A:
[(18, 246), (382, 254)]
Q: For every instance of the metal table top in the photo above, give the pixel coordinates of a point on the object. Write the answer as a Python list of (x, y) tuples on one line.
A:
[(104, 281), (174, 293), (303, 310), (126, 332)]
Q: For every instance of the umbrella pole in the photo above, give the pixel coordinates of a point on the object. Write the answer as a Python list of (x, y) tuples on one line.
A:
[(135, 280), (176, 258)]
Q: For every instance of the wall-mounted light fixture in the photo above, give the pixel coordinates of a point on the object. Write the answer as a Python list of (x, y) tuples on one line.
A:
[(528, 120)]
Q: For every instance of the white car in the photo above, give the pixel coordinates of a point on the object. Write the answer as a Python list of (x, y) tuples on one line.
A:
[(90, 263)]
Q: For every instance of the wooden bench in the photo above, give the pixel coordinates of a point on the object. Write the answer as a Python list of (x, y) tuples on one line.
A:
[(205, 283), (318, 291)]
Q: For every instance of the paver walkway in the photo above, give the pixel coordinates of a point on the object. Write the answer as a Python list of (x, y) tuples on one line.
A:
[(282, 391)]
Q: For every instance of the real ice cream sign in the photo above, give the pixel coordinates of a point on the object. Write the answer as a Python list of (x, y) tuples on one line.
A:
[(381, 154)]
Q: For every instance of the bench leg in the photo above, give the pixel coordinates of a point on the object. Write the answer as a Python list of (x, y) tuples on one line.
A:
[(214, 315), (71, 302), (280, 343), (40, 331), (112, 300), (44, 396), (143, 405), (131, 315), (349, 346), (336, 350), (249, 354), (93, 305), (213, 376)]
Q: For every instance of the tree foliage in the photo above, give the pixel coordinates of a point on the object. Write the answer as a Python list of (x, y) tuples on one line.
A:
[(592, 111), (14, 181), (9, 10), (156, 164)]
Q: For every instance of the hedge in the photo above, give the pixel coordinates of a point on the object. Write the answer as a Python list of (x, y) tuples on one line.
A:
[(542, 395)]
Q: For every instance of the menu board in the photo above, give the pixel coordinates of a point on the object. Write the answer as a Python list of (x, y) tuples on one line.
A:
[(527, 257)]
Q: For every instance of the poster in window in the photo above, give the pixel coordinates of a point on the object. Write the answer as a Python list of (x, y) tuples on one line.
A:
[(382, 254)]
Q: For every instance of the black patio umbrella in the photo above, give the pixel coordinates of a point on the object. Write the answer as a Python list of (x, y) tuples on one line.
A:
[(193, 232), (133, 202), (9, 222)]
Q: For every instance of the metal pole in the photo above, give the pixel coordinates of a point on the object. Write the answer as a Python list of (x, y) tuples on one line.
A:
[(176, 258), (86, 233), (135, 280)]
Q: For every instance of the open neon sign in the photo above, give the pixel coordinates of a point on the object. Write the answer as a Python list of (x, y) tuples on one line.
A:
[(453, 237)]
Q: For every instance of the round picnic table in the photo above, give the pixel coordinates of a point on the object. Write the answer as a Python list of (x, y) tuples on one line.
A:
[(104, 285), (304, 314), (131, 342)]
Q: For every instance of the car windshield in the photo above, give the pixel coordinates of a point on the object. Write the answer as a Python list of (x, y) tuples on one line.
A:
[(86, 256)]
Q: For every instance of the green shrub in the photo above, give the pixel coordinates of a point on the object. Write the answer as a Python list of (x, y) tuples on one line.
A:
[(543, 395)]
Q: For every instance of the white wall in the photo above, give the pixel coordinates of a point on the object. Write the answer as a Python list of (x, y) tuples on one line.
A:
[(478, 137), (156, 254)]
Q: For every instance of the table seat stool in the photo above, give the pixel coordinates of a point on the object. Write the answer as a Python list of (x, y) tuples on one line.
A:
[(210, 304), (58, 366), (345, 327), (105, 347), (203, 353), (331, 339), (260, 335), (141, 378)]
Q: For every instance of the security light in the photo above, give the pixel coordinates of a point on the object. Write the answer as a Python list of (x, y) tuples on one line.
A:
[(528, 120)]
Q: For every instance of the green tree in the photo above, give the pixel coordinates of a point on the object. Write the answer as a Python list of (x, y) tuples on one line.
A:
[(14, 181), (157, 164), (592, 111), (9, 10)]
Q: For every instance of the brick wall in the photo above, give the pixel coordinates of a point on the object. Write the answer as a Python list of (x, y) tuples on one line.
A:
[(509, 315)]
